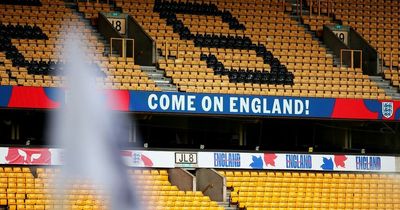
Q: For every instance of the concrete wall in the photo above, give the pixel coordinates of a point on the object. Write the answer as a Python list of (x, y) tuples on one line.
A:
[(108, 31), (335, 44), (369, 54), (183, 179), (145, 48), (355, 42), (211, 183)]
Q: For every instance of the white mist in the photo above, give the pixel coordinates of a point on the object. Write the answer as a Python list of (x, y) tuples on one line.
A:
[(90, 133)]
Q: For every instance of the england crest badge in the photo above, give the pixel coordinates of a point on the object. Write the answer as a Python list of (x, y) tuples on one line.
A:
[(387, 109)]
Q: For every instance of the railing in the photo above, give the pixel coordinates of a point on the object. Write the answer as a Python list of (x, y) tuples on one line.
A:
[(351, 57), (124, 42), (96, 1), (329, 8), (382, 61), (391, 60), (283, 2), (299, 4), (166, 48)]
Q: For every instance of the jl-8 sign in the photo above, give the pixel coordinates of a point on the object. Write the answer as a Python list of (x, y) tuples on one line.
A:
[(185, 159)]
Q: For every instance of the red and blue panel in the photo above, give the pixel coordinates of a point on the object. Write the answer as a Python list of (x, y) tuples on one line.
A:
[(214, 104)]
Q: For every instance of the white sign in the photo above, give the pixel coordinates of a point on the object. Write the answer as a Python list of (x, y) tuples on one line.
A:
[(119, 24), (186, 159), (228, 160), (343, 36)]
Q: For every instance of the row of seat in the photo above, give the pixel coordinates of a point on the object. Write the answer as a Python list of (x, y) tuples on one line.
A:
[(184, 49), (92, 9), (257, 21), (38, 192), (377, 22), (54, 18), (312, 190)]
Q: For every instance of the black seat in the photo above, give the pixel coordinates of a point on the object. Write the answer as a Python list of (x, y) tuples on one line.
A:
[(168, 10)]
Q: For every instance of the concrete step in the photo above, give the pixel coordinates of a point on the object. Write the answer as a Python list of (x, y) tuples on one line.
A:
[(166, 85), (376, 78), (393, 95), (94, 29), (156, 75), (161, 81), (159, 77), (227, 205), (294, 16), (148, 67), (155, 71), (382, 83), (386, 86), (393, 89), (168, 89), (223, 203)]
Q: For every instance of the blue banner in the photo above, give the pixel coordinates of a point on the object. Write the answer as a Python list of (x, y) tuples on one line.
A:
[(212, 104), (230, 104)]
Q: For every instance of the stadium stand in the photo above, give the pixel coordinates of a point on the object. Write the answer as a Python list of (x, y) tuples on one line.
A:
[(23, 2), (92, 9), (316, 22), (237, 48), (20, 189), (33, 61), (313, 69), (33, 188), (216, 46), (255, 190), (376, 21)]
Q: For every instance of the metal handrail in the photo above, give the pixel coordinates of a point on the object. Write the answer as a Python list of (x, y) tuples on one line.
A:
[(391, 60), (166, 50), (97, 1), (381, 62), (329, 8)]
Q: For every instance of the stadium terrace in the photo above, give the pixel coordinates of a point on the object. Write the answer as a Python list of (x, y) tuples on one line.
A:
[(200, 105)]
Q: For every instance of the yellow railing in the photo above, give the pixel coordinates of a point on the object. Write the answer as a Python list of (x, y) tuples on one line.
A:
[(124, 42), (351, 57)]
